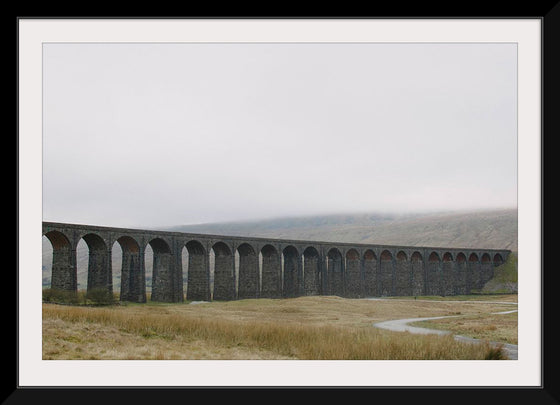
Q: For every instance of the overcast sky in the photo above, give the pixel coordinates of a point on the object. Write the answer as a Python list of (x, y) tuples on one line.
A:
[(147, 135)]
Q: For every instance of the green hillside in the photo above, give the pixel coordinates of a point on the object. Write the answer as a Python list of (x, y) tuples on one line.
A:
[(505, 277)]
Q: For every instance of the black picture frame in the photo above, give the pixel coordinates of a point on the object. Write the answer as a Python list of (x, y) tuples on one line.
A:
[(548, 393)]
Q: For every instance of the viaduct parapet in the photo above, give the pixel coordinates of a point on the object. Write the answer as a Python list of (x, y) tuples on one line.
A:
[(248, 267)]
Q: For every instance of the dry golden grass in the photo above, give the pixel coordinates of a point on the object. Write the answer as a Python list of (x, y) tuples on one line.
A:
[(88, 340), (492, 327), (472, 297), (300, 328)]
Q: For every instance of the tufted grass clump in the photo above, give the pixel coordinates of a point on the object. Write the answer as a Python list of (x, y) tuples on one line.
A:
[(495, 353)]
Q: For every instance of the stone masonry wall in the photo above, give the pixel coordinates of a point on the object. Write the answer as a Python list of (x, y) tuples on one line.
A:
[(403, 276), (312, 275)]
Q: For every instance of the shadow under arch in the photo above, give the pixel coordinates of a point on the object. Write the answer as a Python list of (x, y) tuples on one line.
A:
[(418, 274), (271, 272), (248, 286), (460, 276), (63, 268), (473, 272), (335, 272), (498, 260), (312, 274), (224, 272), (353, 286), (99, 272), (163, 282), (447, 270), (370, 274), (133, 278), (291, 272), (433, 279), (386, 273), (486, 269), (198, 272)]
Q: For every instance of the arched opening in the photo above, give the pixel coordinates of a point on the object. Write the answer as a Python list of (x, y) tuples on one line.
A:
[(335, 272), (418, 274), (185, 268), (59, 263), (162, 274), (259, 267), (224, 272), (130, 280), (46, 262), (387, 273), (291, 272), (148, 268), (370, 274), (498, 260), (82, 258), (447, 274), (271, 272), (461, 274), (312, 277), (198, 272), (434, 282), (473, 273), (353, 277), (403, 275), (248, 269), (99, 275), (116, 269)]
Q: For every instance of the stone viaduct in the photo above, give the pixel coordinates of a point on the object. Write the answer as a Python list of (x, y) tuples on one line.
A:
[(265, 268)]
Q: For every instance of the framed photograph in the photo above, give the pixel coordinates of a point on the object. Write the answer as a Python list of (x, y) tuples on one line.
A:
[(157, 123)]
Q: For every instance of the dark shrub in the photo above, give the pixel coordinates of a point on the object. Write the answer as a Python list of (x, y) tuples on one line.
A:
[(60, 296), (100, 296)]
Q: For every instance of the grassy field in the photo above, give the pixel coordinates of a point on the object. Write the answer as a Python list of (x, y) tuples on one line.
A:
[(311, 328), (473, 297), (487, 326), (499, 328)]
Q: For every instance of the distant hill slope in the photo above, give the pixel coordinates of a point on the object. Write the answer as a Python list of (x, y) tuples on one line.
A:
[(486, 229)]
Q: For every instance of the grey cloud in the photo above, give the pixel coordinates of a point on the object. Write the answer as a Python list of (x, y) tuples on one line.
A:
[(166, 134)]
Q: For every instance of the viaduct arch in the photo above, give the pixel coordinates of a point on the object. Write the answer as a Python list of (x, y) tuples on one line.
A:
[(267, 268)]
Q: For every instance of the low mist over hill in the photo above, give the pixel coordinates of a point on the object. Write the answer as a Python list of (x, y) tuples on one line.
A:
[(486, 229)]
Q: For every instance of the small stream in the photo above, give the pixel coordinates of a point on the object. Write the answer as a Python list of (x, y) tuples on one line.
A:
[(402, 325)]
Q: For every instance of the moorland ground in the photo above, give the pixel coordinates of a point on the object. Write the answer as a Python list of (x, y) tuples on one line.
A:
[(312, 328)]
